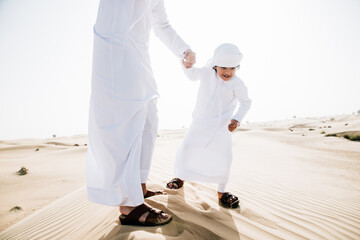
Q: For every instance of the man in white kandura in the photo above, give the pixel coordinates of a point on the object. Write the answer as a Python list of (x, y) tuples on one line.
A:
[(123, 114), (205, 154)]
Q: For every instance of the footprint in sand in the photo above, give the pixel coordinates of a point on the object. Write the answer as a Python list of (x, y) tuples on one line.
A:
[(205, 206)]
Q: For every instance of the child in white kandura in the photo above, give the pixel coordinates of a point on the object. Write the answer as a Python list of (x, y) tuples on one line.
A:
[(205, 154)]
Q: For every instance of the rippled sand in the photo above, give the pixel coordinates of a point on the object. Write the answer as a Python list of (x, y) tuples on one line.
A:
[(292, 181)]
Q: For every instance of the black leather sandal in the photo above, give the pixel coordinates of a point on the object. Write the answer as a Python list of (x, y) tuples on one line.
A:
[(152, 218), (150, 193), (175, 183), (229, 200)]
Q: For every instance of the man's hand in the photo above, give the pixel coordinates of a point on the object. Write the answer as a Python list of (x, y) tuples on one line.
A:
[(233, 125), (189, 59)]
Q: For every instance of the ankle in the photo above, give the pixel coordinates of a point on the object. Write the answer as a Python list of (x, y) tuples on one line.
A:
[(125, 209), (220, 194), (144, 189)]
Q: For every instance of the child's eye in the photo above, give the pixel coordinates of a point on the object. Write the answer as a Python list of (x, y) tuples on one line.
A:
[(224, 68)]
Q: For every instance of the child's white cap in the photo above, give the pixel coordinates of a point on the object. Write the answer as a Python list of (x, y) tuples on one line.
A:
[(226, 55)]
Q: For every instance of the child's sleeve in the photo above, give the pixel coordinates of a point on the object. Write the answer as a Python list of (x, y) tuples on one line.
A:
[(164, 31), (192, 73), (244, 101)]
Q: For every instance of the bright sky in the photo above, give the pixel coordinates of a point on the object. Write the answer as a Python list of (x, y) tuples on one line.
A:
[(301, 58)]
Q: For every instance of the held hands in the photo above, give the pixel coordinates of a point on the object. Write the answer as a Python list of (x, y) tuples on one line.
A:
[(233, 125), (189, 59)]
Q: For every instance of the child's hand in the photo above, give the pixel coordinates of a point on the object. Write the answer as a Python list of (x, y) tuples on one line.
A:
[(189, 59), (233, 125), (186, 63)]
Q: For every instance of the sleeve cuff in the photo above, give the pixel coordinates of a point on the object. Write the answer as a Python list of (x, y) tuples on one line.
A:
[(183, 50)]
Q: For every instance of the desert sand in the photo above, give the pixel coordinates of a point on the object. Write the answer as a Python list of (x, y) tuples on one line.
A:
[(293, 183)]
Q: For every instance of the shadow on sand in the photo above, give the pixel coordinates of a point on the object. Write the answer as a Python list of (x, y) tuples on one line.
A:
[(193, 218)]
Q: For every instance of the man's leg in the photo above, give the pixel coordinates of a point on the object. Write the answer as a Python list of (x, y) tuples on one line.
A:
[(147, 147), (148, 140)]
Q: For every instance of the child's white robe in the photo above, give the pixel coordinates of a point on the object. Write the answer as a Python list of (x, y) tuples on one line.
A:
[(123, 113), (205, 154)]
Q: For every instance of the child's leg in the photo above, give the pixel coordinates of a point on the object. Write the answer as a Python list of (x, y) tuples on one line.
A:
[(221, 187)]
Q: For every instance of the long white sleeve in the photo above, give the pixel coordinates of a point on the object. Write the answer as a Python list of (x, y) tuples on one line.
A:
[(165, 32), (241, 95), (193, 73)]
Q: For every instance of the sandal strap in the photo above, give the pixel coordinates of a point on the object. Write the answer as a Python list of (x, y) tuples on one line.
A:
[(228, 198), (152, 218), (134, 215), (177, 181), (224, 196)]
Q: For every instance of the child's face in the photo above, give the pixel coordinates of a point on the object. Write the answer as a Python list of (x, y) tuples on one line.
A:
[(226, 73)]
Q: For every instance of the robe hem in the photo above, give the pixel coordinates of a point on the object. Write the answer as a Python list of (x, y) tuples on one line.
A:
[(102, 197), (189, 176)]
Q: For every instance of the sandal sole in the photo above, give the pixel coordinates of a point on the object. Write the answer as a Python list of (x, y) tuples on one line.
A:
[(122, 218)]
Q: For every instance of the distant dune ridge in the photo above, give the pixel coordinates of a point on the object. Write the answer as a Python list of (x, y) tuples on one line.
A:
[(293, 183)]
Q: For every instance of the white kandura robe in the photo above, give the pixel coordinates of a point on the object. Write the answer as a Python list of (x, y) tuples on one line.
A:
[(205, 154), (123, 115)]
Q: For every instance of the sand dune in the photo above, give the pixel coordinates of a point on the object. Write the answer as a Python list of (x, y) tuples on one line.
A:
[(293, 183)]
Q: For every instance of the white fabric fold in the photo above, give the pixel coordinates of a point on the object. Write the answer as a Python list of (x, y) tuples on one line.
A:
[(205, 153), (123, 114)]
